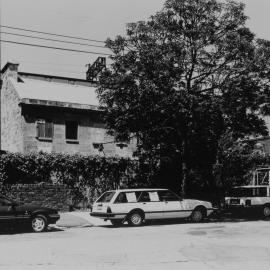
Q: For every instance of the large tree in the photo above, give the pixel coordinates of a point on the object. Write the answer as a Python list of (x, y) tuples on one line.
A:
[(182, 79)]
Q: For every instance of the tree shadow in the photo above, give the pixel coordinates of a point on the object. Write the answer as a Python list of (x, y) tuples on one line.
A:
[(217, 218), (13, 230)]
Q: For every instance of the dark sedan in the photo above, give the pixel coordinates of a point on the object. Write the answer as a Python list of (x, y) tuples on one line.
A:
[(33, 216)]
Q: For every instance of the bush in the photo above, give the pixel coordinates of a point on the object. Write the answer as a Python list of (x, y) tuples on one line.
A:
[(78, 172)]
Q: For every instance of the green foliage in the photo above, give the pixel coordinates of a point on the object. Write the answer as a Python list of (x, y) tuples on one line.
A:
[(76, 171), (184, 78), (236, 162)]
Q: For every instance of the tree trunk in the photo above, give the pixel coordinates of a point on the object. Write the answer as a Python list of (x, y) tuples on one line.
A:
[(184, 169)]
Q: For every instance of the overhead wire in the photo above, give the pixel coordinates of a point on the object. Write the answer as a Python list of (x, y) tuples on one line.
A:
[(52, 34), (52, 47), (51, 39)]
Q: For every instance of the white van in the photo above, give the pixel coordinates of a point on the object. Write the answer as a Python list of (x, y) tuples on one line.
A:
[(137, 205), (249, 199)]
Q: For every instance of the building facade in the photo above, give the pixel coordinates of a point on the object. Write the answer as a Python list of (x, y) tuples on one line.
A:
[(53, 114)]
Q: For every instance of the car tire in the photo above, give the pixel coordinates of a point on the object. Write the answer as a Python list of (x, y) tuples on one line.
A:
[(135, 219), (266, 211), (39, 223), (116, 222), (197, 215)]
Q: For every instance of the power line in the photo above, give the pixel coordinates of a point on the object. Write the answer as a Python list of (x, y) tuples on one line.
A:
[(51, 39), (52, 34), (55, 48)]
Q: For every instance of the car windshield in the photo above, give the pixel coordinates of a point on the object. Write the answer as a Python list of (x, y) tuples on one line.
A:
[(7, 201), (248, 192), (106, 197)]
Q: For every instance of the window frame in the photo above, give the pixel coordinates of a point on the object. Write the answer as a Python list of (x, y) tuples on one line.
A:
[(75, 139), (45, 122)]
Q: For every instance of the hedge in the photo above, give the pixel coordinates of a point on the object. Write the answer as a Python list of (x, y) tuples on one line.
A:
[(76, 171)]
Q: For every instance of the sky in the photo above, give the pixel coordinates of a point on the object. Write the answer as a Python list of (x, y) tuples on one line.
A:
[(91, 19)]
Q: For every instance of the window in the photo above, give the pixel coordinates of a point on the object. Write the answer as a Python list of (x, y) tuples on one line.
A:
[(44, 128), (125, 197), (166, 195), (106, 197), (143, 196), (71, 130), (248, 192), (262, 192), (5, 202), (121, 198)]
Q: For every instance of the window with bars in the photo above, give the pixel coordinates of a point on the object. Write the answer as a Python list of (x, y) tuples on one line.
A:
[(71, 130), (44, 129)]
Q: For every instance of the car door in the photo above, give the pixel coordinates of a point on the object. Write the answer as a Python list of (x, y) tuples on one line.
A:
[(150, 204), (7, 213), (173, 207)]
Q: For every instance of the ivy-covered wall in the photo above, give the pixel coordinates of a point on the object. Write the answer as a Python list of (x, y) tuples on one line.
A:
[(46, 195), (32, 177)]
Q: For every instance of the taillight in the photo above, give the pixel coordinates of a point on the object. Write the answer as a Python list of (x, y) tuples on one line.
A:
[(109, 210)]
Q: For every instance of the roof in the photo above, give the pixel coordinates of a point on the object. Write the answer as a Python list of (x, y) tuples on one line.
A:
[(33, 89)]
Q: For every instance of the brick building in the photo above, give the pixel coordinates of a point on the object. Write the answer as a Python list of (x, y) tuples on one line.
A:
[(53, 114)]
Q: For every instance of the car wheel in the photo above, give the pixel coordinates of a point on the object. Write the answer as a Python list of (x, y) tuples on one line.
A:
[(39, 223), (116, 222), (197, 215), (135, 219), (266, 211)]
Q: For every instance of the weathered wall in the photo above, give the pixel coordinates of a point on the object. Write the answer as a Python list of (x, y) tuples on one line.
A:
[(90, 130), (47, 195), (11, 119)]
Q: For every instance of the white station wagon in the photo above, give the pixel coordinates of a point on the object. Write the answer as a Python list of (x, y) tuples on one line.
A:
[(137, 205)]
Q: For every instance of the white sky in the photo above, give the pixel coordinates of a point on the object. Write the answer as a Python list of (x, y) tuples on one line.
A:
[(93, 19)]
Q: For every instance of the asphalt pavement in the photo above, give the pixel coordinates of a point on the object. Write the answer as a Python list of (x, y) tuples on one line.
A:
[(171, 245), (78, 219)]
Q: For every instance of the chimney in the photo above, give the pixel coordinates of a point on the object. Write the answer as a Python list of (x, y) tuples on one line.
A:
[(10, 70)]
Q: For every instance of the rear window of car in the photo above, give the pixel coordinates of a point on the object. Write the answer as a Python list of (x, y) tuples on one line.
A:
[(106, 197), (125, 197), (167, 195)]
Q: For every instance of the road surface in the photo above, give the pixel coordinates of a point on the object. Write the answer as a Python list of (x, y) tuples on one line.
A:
[(223, 245)]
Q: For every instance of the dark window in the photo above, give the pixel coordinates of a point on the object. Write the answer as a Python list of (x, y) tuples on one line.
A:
[(167, 195), (121, 198), (106, 197), (248, 192), (45, 129), (5, 202), (71, 130), (143, 196), (262, 192)]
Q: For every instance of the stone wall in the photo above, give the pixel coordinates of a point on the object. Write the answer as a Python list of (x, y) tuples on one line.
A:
[(91, 130), (47, 195), (11, 119)]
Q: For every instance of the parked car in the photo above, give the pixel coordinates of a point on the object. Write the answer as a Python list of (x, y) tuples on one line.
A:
[(137, 205), (253, 199), (33, 216)]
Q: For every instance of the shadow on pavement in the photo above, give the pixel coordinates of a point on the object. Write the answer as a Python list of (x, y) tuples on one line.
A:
[(213, 219), (20, 230)]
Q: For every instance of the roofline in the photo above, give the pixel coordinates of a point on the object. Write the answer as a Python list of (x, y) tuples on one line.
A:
[(54, 77), (59, 104)]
